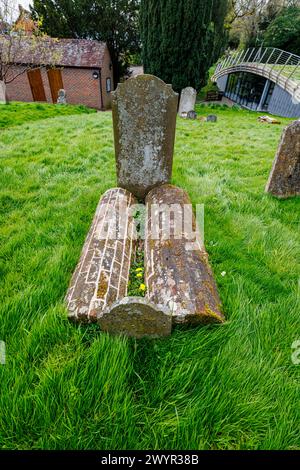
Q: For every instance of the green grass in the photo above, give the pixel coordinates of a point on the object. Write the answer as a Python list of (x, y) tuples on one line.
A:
[(73, 387), (13, 114)]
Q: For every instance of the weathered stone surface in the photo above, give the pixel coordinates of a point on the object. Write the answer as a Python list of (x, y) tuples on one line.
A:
[(137, 317), (191, 115), (62, 97), (284, 179), (187, 100), (2, 92), (177, 277), (144, 116), (101, 276), (211, 118)]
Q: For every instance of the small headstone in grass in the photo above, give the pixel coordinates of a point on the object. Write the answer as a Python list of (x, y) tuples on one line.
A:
[(191, 115), (211, 118), (144, 118), (62, 97), (3, 99), (187, 100), (284, 179)]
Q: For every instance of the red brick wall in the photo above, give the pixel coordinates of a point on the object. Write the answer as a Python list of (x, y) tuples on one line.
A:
[(80, 86), (106, 73), (19, 89)]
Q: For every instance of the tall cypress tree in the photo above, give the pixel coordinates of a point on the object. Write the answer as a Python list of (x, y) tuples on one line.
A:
[(181, 39)]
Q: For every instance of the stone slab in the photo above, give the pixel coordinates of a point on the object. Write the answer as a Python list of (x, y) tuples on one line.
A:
[(177, 277), (101, 276), (284, 179), (144, 118), (136, 317), (187, 100)]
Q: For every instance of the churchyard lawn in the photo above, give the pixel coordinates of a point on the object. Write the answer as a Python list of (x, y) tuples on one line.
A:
[(234, 386)]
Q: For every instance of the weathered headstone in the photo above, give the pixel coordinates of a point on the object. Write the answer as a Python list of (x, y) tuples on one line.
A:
[(180, 284), (3, 99), (191, 115), (187, 100), (211, 118), (102, 274), (62, 97), (144, 118), (177, 271), (284, 179)]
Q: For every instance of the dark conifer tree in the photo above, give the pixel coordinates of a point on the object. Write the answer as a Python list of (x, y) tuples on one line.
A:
[(181, 39)]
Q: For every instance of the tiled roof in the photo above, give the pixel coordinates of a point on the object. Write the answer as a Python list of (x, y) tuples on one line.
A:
[(66, 52), (80, 52)]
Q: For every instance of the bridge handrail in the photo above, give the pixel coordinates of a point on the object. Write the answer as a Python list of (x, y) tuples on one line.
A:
[(274, 62)]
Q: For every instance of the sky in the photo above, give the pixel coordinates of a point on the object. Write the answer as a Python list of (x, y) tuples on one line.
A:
[(14, 6), (24, 3)]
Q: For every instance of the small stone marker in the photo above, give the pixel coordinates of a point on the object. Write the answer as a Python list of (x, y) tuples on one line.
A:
[(187, 100), (62, 97), (144, 118), (177, 277), (191, 115), (3, 99), (211, 118), (137, 317), (284, 179), (102, 274)]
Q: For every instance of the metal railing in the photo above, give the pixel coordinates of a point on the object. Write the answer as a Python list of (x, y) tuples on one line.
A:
[(279, 66)]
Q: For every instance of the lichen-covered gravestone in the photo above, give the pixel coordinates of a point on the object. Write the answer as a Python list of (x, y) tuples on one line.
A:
[(144, 117), (102, 274), (187, 100), (180, 284), (284, 179), (178, 274)]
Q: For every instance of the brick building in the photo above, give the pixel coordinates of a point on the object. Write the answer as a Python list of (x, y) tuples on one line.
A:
[(82, 68)]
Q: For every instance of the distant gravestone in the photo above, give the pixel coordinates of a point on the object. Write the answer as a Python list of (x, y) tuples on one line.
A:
[(144, 118), (211, 118), (62, 97), (187, 100), (191, 115), (2, 92), (284, 179)]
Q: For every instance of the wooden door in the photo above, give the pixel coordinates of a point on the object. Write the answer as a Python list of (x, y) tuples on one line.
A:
[(55, 82), (36, 85)]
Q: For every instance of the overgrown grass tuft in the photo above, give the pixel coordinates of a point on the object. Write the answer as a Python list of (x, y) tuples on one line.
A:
[(73, 387)]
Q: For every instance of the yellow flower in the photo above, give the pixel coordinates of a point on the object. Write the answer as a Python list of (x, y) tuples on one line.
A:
[(139, 275), (142, 287), (138, 269)]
